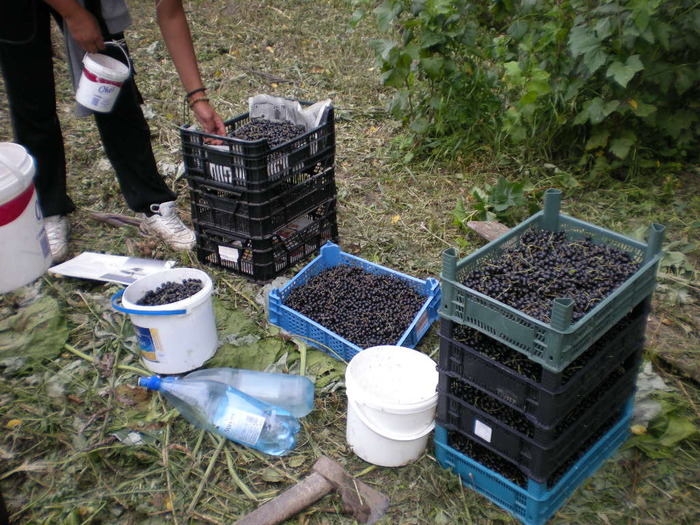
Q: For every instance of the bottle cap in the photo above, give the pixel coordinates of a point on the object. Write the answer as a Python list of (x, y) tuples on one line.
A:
[(152, 382)]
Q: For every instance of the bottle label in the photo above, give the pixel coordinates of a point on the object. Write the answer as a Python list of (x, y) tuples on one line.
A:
[(237, 424)]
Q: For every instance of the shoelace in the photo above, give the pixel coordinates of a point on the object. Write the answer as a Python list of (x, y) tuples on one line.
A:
[(174, 223)]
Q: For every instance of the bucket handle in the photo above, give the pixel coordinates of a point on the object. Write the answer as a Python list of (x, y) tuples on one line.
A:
[(126, 55), (390, 435), (119, 308)]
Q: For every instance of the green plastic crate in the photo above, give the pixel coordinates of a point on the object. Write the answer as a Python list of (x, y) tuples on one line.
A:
[(557, 344)]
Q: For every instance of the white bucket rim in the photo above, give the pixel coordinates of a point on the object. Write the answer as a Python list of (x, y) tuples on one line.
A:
[(390, 408), (19, 172), (154, 280), (389, 434), (114, 70), (376, 401)]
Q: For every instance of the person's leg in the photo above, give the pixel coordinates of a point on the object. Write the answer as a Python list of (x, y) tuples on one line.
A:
[(126, 138), (27, 68)]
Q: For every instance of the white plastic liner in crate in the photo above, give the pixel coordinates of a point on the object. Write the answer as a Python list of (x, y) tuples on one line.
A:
[(321, 337)]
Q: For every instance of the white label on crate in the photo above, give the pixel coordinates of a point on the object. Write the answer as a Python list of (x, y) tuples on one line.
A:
[(483, 431), (228, 254)]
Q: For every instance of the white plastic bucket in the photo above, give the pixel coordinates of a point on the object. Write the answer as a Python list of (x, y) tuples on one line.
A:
[(101, 80), (177, 337), (392, 400), (24, 248)]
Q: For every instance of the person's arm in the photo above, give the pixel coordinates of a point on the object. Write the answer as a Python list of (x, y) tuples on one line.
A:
[(178, 39), (80, 23)]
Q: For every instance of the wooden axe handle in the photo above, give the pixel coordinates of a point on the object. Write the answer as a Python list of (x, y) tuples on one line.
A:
[(290, 502)]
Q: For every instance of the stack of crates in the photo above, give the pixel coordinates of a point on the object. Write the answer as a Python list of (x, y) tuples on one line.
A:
[(528, 410), (259, 210)]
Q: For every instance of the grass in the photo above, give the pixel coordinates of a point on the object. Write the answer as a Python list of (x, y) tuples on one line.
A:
[(66, 417)]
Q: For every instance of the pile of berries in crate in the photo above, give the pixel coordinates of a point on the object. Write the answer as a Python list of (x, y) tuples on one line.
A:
[(541, 338), (343, 304), (263, 197)]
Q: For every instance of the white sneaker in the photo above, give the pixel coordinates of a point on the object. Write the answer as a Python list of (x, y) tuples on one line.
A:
[(167, 226), (57, 230)]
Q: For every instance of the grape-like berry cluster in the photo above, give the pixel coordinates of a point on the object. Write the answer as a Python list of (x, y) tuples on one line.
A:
[(545, 265), (171, 292), (365, 308), (276, 133)]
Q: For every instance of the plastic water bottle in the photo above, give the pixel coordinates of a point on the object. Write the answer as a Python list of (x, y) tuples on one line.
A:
[(294, 393), (220, 408)]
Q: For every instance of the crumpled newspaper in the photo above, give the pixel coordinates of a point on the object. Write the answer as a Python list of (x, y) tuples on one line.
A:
[(278, 109)]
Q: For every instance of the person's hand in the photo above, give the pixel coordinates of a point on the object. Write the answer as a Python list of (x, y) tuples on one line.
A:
[(209, 119), (85, 30)]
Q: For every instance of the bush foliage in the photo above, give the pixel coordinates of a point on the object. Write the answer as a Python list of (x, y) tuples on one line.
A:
[(612, 84)]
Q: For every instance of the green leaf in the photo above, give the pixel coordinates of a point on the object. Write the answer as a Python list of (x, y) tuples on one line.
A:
[(623, 73), (674, 123), (667, 430), (459, 213), (249, 354), (584, 42), (399, 104), (621, 145), (431, 38), (433, 67), (386, 13), (593, 111), (599, 139), (395, 77), (539, 87), (685, 79), (420, 125), (595, 59), (325, 369), (382, 47), (506, 194), (232, 323), (36, 331), (643, 110), (512, 70)]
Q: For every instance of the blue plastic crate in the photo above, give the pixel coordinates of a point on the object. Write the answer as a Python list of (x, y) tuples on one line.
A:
[(330, 342), (537, 503)]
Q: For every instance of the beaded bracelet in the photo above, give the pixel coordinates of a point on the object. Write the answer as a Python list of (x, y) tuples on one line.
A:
[(200, 99)]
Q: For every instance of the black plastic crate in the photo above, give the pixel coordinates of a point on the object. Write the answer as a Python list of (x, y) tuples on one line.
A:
[(228, 209), (253, 167), (541, 455), (544, 396), (514, 472), (262, 259)]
